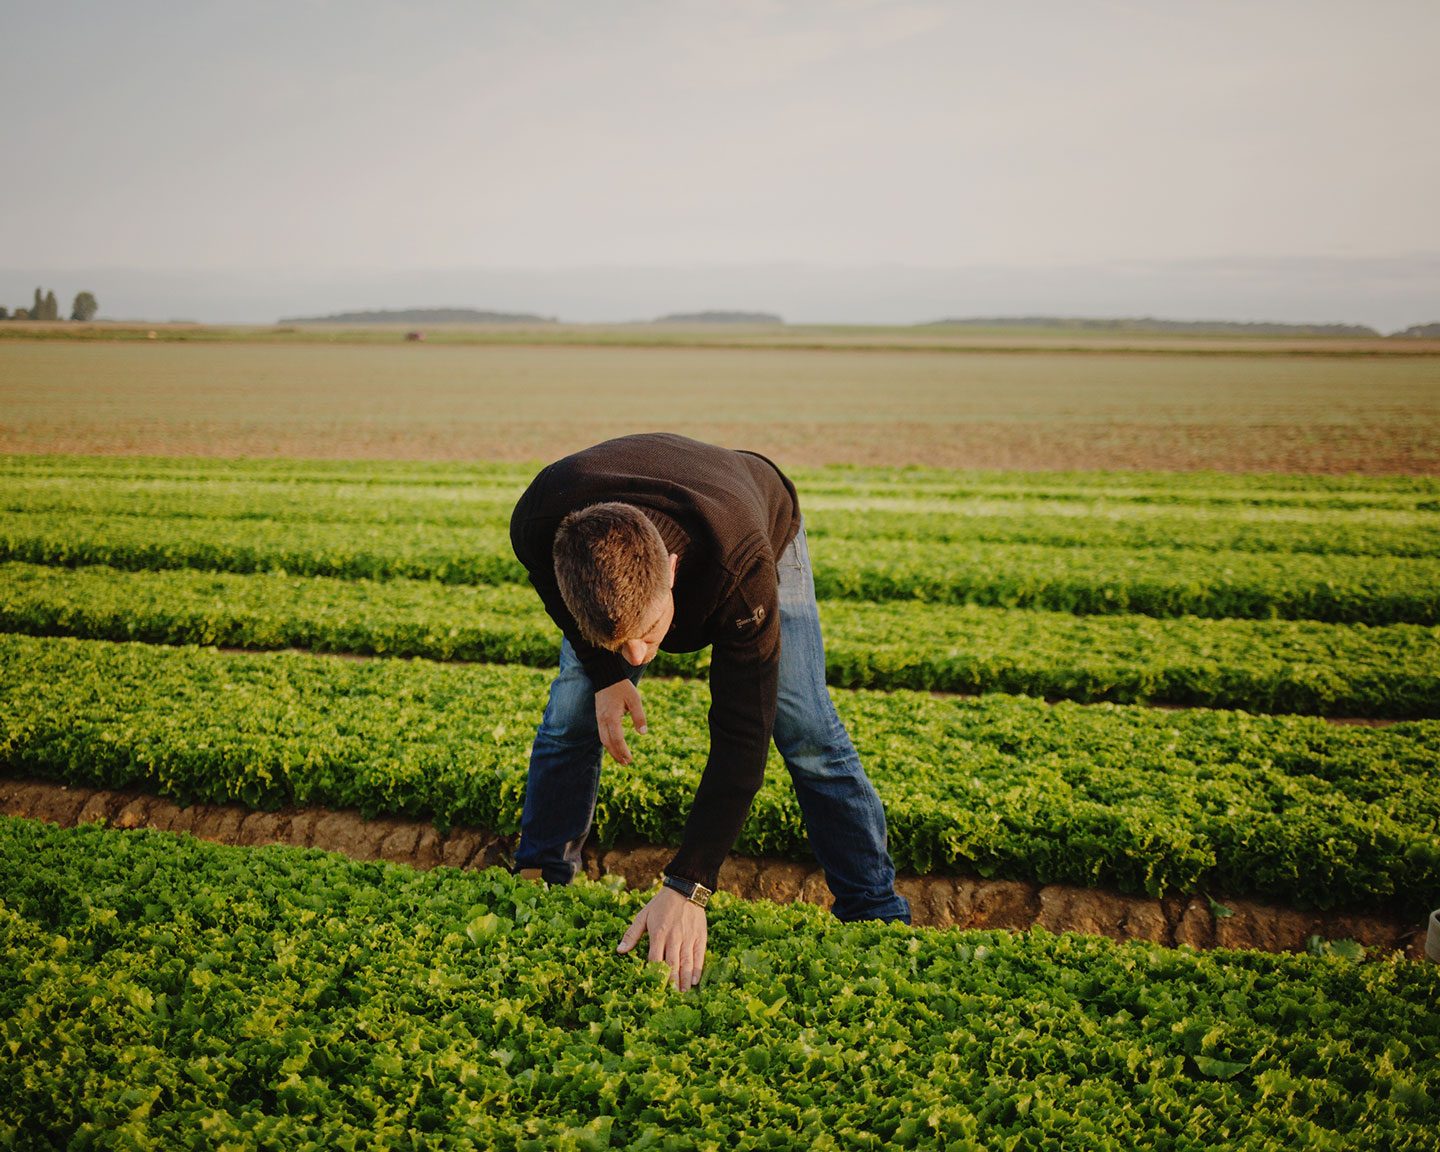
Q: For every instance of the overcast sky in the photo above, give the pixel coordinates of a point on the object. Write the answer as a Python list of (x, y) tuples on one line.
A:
[(359, 142)]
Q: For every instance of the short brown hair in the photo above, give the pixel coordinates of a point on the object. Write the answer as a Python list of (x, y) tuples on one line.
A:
[(612, 565)]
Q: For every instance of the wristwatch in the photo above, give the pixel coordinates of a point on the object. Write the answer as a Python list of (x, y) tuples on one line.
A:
[(693, 891)]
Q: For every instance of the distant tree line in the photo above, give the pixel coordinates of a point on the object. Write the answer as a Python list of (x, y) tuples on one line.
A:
[(422, 316), (1133, 324), (46, 307), (720, 317), (1420, 332), (1153, 324)]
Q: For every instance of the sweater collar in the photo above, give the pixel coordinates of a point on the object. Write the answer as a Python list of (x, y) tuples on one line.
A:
[(677, 540)]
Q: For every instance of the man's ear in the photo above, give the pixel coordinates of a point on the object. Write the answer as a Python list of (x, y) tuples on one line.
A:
[(674, 564)]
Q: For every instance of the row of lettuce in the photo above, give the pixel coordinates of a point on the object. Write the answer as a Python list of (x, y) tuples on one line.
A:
[(1262, 665), (1255, 490), (1375, 590), (162, 992), (1145, 801), (1098, 522), (929, 581)]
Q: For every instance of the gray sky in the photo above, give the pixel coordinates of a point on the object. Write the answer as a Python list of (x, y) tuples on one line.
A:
[(357, 143)]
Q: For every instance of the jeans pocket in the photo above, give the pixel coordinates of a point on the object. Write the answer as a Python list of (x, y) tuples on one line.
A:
[(793, 558)]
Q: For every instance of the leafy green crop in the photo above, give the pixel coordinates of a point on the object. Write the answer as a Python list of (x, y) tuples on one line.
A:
[(1134, 798), (1116, 524), (371, 551), (1218, 489), (1235, 490), (1315, 548), (1263, 665), (933, 514), (932, 580), (1150, 581), (161, 992)]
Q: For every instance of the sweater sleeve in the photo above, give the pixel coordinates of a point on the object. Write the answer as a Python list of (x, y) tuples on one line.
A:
[(744, 678)]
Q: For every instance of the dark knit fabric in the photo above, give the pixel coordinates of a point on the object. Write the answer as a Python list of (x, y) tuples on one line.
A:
[(727, 515)]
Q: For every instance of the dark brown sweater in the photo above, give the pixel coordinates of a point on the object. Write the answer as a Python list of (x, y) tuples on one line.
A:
[(727, 515)]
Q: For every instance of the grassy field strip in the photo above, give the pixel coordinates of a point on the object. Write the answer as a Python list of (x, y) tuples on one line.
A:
[(161, 991), (1103, 507), (845, 483), (1260, 665), (1409, 493), (1098, 523), (1152, 582), (1119, 487), (333, 500), (1117, 526), (1144, 801), (942, 486), (273, 470)]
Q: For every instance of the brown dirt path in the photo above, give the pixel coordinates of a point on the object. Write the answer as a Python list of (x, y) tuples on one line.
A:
[(937, 901)]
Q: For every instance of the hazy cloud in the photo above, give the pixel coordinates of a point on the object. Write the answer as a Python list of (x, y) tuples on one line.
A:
[(370, 135)]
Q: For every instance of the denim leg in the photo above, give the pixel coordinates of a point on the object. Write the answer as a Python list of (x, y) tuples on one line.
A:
[(843, 816), (564, 775)]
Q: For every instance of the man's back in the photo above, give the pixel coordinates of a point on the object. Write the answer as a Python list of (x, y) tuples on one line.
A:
[(734, 500)]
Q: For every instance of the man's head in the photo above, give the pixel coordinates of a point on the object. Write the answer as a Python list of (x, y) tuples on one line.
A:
[(615, 576)]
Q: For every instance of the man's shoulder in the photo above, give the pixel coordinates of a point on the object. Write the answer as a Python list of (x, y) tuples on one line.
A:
[(728, 497), (651, 454)]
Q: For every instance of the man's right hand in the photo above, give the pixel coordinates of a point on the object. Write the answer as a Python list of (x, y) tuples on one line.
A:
[(611, 705)]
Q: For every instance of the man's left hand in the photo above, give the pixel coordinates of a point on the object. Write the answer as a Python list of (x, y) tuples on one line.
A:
[(677, 930)]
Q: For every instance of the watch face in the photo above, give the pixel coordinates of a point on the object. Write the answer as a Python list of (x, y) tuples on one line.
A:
[(693, 891)]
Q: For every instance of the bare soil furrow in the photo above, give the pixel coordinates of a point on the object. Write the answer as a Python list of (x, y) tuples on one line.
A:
[(937, 901)]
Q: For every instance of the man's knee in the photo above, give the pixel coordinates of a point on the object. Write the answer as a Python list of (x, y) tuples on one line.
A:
[(569, 732), (819, 755), (570, 713), (811, 732)]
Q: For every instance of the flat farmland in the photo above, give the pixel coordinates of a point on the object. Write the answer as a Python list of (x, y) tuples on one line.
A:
[(1257, 406), (1120, 658)]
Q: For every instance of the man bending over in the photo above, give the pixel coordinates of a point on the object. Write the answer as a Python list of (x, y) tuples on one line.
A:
[(658, 541)]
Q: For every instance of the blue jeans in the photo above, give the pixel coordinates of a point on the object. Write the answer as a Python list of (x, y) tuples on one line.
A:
[(843, 816)]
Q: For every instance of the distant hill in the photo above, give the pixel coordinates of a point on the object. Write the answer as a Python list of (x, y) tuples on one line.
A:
[(1419, 332), (423, 316), (1150, 324), (720, 318)]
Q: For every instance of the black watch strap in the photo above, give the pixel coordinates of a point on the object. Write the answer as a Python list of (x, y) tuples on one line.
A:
[(693, 891)]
